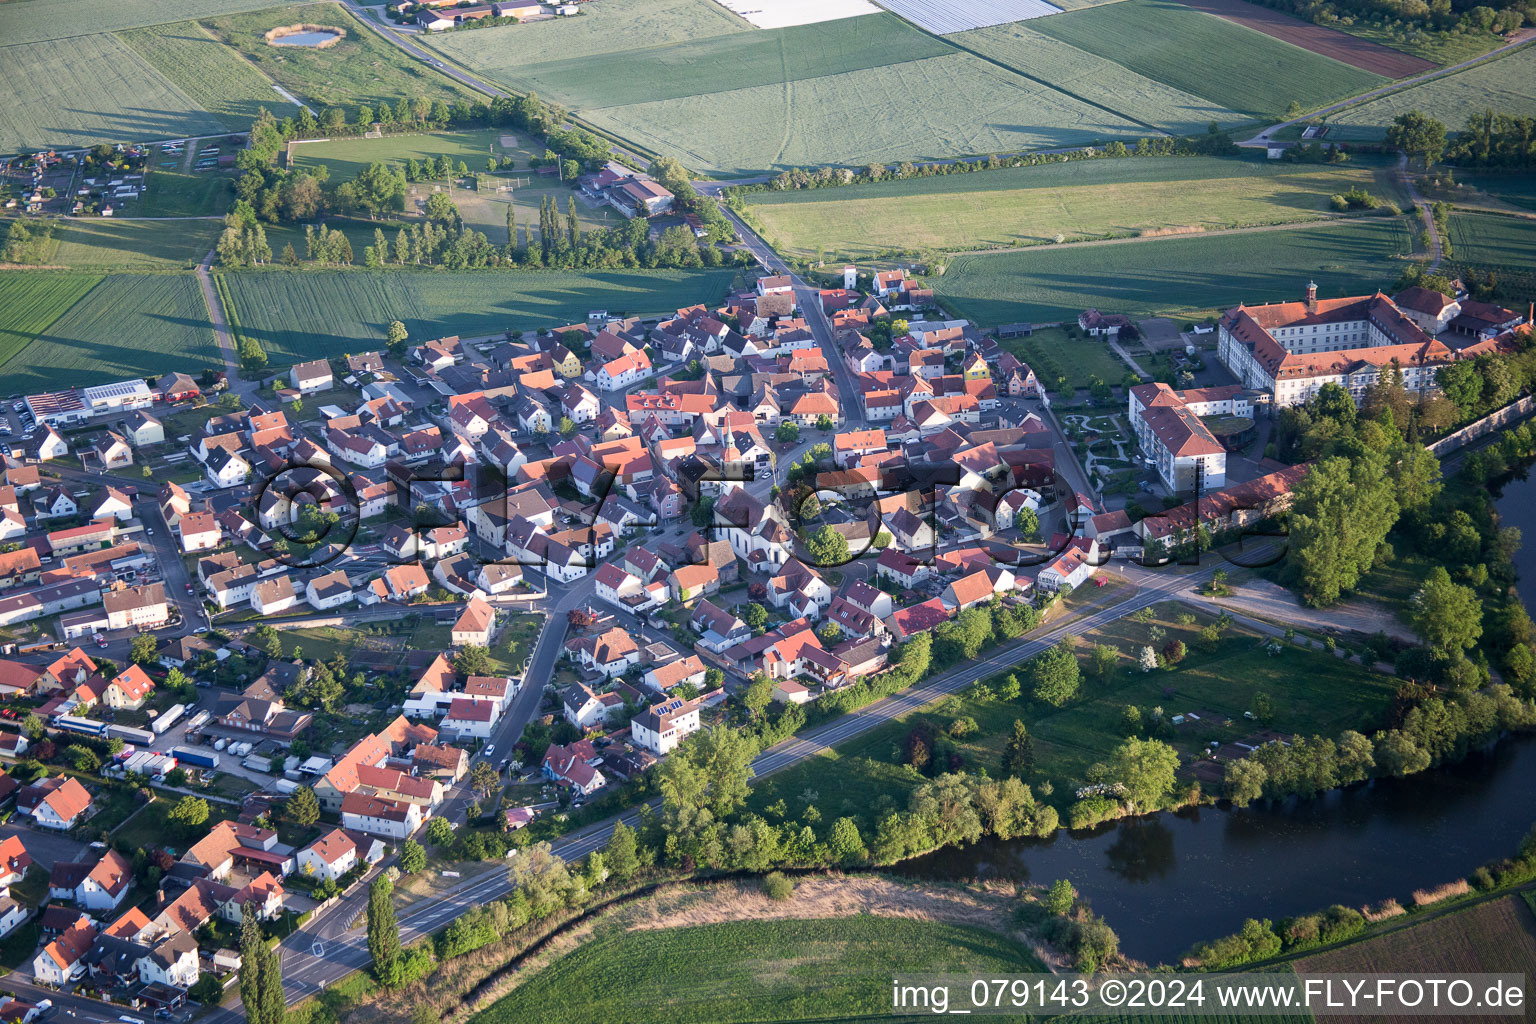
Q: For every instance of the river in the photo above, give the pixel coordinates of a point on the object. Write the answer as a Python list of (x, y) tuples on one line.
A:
[(1168, 881)]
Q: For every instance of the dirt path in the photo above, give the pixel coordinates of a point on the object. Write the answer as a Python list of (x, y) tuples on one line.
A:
[(1426, 213), (221, 331), (1270, 601)]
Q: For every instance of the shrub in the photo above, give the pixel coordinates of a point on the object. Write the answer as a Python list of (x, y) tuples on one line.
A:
[(778, 886)]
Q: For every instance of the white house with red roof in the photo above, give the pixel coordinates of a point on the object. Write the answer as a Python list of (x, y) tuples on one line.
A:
[(329, 857)]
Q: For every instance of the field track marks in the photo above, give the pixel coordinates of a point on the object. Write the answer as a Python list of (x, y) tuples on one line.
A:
[(789, 106), (1319, 39)]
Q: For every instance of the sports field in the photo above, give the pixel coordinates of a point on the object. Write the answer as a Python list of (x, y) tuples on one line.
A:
[(346, 158), (1506, 85), (1230, 65), (219, 79), (1077, 200), (1095, 78), (35, 21), (610, 27), (127, 325), (759, 971), (310, 314), (1490, 240), (89, 89), (361, 68), (701, 67), (850, 119), (1175, 275)]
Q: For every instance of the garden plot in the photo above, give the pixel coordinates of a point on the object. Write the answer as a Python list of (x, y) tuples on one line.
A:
[(939, 17), (783, 13)]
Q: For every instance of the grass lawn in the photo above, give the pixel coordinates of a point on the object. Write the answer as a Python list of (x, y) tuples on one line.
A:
[(759, 971), (1492, 937), (615, 27), (20, 946), (150, 827), (517, 637), (847, 119), (309, 314), (1506, 85), (219, 79), (1238, 68), (1395, 583), (1083, 199), (346, 158), (110, 244), (1050, 353), (170, 192), (1086, 73), (128, 325), (31, 301), (362, 68), (1312, 693), (1175, 276), (320, 643), (89, 89), (1490, 240)]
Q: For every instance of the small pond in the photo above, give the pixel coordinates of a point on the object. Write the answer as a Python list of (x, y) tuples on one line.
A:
[(305, 39)]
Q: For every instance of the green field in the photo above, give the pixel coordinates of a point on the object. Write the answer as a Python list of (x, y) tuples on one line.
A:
[(110, 244), (1230, 65), (35, 21), (883, 114), (89, 89), (1312, 692), (1491, 240), (362, 68), (128, 325), (1506, 85), (1508, 186), (171, 192), (31, 300), (770, 57), (348, 157), (757, 971), (609, 27), (1081, 359), (1079, 199), (302, 315), (1176, 275), (219, 79), (1093, 77)]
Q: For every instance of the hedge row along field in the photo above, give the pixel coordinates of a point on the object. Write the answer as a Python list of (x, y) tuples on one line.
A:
[(1080, 199), (1176, 275), (1096, 78), (759, 971), (89, 89), (128, 325), (318, 314), (218, 78), (1230, 65), (60, 19), (31, 300), (926, 109), (1506, 85)]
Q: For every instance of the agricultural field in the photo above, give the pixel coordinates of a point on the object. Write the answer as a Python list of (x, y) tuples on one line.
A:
[(614, 27), (1094, 78), (1510, 187), (1506, 85), (302, 315), (1236, 67), (1076, 200), (1186, 276), (848, 119), (1315, 692), (31, 300), (173, 192), (89, 89), (128, 325), (219, 79), (361, 68), (1329, 42), (111, 244), (34, 22), (1492, 937), (1489, 240), (772, 57), (759, 971)]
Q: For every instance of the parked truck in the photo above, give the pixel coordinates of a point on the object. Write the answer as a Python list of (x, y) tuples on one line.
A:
[(129, 734), (198, 756), (167, 718)]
